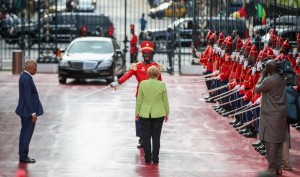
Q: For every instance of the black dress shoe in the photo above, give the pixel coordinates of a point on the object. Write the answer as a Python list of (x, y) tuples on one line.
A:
[(216, 106), (262, 147), (250, 134), (256, 144), (263, 152), (233, 122), (237, 124), (155, 161), (209, 101), (245, 130), (27, 160)]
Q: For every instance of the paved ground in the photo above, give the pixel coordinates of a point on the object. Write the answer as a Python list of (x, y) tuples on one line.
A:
[(94, 136)]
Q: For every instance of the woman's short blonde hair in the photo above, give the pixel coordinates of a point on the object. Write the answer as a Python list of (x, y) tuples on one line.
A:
[(153, 72)]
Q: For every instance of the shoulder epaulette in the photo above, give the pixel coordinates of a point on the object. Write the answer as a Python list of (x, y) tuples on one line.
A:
[(134, 66), (160, 67)]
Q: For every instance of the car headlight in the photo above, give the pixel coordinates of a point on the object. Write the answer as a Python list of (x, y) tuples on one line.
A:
[(105, 64), (64, 63)]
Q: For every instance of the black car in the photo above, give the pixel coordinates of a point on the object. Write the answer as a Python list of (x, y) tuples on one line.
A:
[(285, 20), (92, 58), (184, 30), (8, 23), (63, 27)]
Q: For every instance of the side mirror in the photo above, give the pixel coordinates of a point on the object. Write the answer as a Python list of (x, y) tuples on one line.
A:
[(119, 52)]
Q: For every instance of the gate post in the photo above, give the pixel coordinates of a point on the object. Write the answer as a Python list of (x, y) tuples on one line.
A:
[(17, 62)]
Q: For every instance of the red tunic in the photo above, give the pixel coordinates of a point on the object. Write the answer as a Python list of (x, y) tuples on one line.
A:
[(140, 72), (133, 43)]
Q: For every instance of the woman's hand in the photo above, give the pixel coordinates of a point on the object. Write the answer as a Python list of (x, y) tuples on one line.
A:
[(137, 117), (166, 118)]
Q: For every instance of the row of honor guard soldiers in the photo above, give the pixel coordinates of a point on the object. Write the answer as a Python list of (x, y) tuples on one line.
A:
[(232, 69)]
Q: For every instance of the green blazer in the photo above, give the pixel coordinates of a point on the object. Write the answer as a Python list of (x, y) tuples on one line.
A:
[(152, 99)]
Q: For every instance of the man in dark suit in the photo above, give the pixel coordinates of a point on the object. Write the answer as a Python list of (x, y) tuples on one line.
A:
[(29, 108)]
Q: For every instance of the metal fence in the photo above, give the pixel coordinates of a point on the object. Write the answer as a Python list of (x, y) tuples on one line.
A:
[(38, 28)]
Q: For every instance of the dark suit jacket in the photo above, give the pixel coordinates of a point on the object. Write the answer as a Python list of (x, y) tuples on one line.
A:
[(29, 101)]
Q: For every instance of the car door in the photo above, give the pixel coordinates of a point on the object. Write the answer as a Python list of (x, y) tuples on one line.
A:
[(119, 59)]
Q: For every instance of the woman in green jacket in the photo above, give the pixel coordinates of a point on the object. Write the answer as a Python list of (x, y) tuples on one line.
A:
[(152, 108)]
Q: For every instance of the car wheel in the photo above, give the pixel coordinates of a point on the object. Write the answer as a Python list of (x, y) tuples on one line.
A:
[(62, 80)]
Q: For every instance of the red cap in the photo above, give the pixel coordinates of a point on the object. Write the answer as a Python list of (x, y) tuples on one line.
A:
[(298, 38), (286, 44), (213, 37), (273, 37), (84, 29), (221, 38), (280, 56), (272, 31), (279, 41), (248, 46), (228, 42), (147, 47), (239, 43), (253, 52), (208, 35), (270, 53)]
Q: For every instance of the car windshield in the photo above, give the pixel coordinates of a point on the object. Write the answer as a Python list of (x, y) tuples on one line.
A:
[(92, 47)]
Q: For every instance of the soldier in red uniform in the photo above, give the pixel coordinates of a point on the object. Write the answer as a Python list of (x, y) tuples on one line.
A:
[(133, 48), (139, 70)]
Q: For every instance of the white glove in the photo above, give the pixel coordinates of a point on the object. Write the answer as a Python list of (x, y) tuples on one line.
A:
[(259, 66), (222, 53), (204, 69), (242, 88), (236, 87), (294, 52), (253, 70), (258, 101), (249, 104), (198, 54), (276, 52), (245, 64), (216, 72), (196, 60), (233, 54), (241, 59), (295, 87), (114, 84), (218, 77)]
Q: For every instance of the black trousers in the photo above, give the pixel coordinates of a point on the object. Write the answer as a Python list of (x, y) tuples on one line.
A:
[(151, 128), (25, 136), (133, 58)]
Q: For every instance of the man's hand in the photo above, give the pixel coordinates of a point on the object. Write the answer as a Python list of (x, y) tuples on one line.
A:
[(34, 118), (114, 84), (137, 117), (166, 118)]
